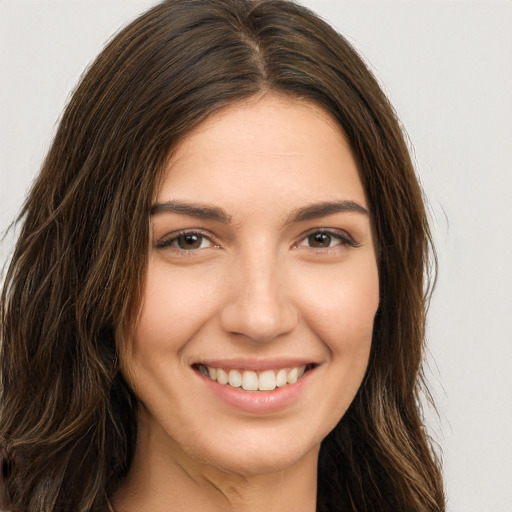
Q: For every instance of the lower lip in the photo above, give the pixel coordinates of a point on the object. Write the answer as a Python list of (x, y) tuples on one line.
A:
[(259, 402)]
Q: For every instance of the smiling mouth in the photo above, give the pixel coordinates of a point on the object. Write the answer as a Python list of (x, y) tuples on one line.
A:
[(250, 380)]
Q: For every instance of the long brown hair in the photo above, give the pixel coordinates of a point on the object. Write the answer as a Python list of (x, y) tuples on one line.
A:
[(67, 417)]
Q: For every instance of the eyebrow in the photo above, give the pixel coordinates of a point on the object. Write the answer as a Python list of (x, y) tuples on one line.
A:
[(325, 208), (202, 211)]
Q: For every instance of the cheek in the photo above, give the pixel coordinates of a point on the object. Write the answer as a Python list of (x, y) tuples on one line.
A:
[(177, 302), (342, 311)]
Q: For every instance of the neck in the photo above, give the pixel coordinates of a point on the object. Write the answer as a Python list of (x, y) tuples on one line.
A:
[(163, 480)]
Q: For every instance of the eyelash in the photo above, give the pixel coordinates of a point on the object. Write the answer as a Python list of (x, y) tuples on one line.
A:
[(343, 238), (167, 242), (340, 235)]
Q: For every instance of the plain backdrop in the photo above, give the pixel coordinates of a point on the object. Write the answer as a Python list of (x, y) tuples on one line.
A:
[(447, 67)]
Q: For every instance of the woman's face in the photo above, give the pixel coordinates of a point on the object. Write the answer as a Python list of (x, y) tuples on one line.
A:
[(262, 272)]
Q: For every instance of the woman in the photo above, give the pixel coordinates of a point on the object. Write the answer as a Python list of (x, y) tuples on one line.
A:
[(217, 297)]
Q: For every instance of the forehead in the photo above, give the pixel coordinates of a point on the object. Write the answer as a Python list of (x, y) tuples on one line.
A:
[(268, 150)]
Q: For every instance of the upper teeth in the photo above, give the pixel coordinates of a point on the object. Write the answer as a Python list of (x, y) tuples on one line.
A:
[(250, 380)]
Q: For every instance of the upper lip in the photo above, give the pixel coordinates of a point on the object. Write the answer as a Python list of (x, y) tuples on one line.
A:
[(256, 364)]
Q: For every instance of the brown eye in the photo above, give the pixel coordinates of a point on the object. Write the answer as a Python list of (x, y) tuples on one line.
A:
[(326, 239), (186, 242), (189, 241), (320, 240)]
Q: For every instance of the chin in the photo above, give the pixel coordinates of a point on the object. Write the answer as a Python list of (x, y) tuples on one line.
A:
[(260, 460), (260, 449)]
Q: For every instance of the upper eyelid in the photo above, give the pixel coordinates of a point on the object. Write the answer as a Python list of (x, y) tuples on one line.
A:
[(326, 230), (188, 231)]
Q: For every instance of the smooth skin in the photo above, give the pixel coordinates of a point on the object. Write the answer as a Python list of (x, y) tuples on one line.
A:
[(261, 251)]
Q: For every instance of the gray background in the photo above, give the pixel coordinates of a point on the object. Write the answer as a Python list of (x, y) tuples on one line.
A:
[(447, 67)]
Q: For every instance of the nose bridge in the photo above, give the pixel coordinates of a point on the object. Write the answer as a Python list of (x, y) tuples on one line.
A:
[(259, 304)]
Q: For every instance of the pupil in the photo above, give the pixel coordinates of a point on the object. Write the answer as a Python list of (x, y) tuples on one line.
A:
[(189, 241), (319, 240)]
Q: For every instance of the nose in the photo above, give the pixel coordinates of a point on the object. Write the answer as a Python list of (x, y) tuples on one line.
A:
[(259, 304)]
